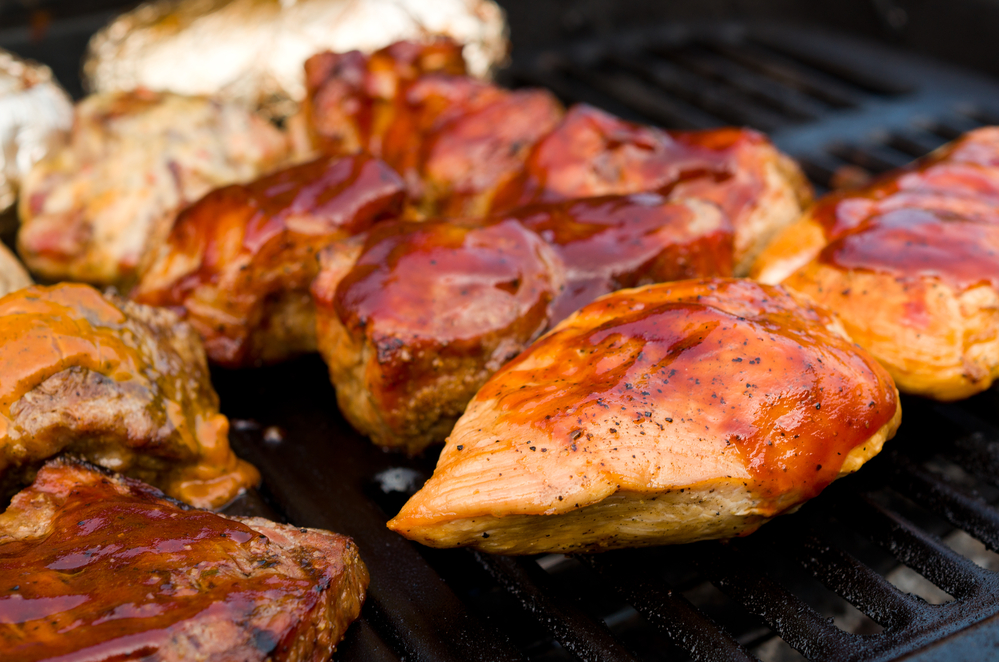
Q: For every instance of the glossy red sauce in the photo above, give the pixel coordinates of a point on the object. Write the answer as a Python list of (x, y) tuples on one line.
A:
[(268, 226), (918, 242), (353, 98), (592, 153), (790, 397), (423, 292), (442, 280), (119, 574), (613, 242), (943, 182)]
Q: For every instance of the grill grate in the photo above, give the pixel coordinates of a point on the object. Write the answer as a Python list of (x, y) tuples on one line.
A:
[(789, 586), (897, 561)]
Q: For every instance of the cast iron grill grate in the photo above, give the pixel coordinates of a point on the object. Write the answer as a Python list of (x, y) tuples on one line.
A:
[(897, 561), (886, 564)]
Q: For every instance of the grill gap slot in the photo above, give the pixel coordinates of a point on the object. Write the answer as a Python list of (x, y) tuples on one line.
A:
[(660, 68), (835, 62), (915, 547), (793, 106)]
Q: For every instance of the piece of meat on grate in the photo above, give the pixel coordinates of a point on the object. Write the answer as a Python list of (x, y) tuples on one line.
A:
[(95, 566)]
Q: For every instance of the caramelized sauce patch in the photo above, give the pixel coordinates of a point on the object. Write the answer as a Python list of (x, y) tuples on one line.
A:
[(792, 399), (916, 242), (161, 565)]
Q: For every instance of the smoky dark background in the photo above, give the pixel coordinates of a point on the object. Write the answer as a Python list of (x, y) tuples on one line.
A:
[(959, 31)]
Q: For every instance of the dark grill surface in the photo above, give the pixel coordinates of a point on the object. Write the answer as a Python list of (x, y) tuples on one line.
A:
[(895, 562)]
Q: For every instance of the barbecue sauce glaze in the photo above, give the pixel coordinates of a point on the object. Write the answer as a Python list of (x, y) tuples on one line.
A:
[(47, 330)]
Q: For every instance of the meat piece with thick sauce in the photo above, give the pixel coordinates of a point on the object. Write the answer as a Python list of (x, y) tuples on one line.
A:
[(455, 139), (593, 153), (121, 384), (92, 208), (664, 414), (94, 566), (910, 264), (414, 317), (237, 264)]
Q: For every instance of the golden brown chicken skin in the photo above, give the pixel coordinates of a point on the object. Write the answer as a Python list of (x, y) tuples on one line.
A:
[(424, 315), (239, 262), (96, 567), (593, 153), (120, 384), (92, 208), (664, 414), (909, 264), (613, 242)]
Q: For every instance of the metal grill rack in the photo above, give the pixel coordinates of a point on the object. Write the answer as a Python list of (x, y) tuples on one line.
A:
[(893, 562), (898, 561)]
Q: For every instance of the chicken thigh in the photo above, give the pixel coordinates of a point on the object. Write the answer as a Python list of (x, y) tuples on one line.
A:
[(92, 208), (95, 566), (910, 264)]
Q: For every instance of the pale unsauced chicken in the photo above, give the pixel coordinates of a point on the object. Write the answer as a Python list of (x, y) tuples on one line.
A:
[(92, 208)]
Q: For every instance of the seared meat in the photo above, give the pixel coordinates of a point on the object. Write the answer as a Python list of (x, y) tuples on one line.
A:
[(592, 153), (664, 414), (96, 566), (455, 139), (415, 320), (91, 209), (911, 266), (424, 315), (238, 263), (123, 385)]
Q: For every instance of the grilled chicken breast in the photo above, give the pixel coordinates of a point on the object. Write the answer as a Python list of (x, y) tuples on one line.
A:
[(120, 384), (910, 266), (664, 414), (592, 153), (96, 566), (238, 263), (91, 209), (424, 315)]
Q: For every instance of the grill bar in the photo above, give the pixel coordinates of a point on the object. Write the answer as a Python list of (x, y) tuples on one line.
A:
[(960, 509), (584, 637), (917, 549), (669, 612), (856, 582), (736, 573)]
